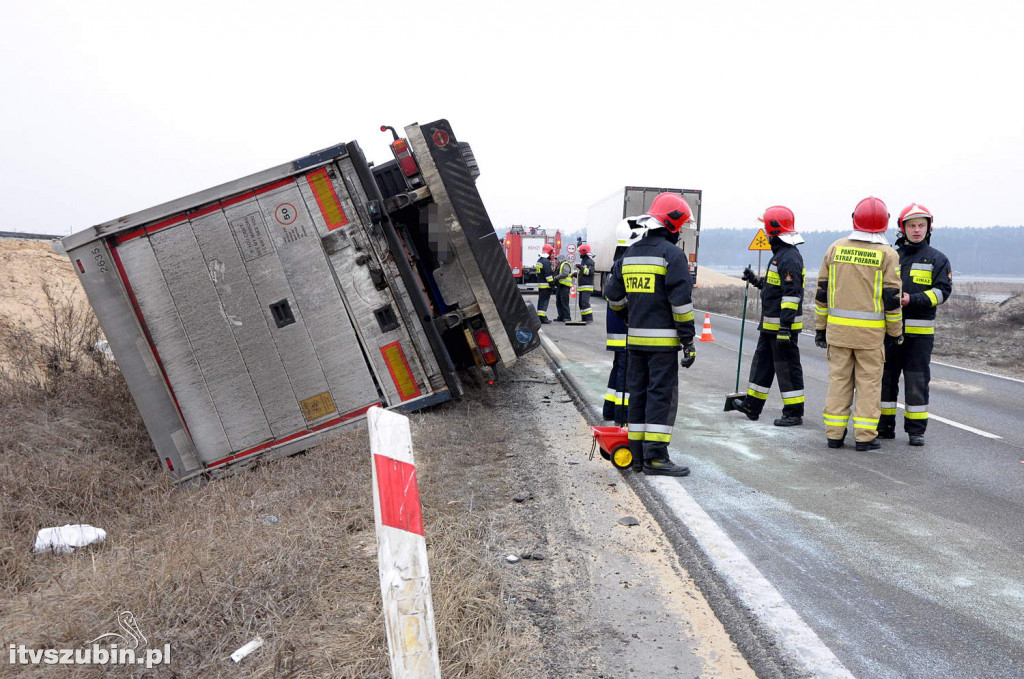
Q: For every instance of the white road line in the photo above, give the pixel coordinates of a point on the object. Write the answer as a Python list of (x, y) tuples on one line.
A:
[(799, 642), (979, 432), (552, 348)]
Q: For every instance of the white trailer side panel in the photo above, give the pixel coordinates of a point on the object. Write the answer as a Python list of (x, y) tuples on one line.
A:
[(160, 314), (243, 314), (316, 295)]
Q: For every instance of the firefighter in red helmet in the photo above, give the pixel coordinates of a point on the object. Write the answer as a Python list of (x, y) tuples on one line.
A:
[(545, 279), (858, 311), (650, 288), (585, 282), (927, 283), (782, 298)]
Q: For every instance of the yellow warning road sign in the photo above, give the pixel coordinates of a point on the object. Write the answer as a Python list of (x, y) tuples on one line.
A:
[(760, 241)]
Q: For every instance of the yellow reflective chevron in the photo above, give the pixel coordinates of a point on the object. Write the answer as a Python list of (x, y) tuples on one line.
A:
[(773, 278), (653, 341)]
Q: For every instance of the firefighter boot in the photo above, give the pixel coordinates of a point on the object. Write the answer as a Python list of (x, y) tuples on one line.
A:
[(789, 421), (740, 404), (662, 466), (873, 444), (886, 434), (837, 443), (917, 439)]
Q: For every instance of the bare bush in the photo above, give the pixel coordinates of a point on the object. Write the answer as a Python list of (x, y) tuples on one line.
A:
[(70, 331)]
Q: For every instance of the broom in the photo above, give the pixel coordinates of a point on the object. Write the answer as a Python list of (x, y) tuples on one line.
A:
[(739, 359)]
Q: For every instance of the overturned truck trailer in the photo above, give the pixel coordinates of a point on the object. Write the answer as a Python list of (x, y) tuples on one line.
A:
[(251, 318)]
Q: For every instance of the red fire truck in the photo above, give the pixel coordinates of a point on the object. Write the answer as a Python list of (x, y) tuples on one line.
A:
[(523, 246)]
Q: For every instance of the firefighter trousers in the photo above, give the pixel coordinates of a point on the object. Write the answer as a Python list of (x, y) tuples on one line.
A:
[(912, 358), (652, 378), (562, 302), (772, 358), (616, 399), (585, 311), (854, 379), (543, 296)]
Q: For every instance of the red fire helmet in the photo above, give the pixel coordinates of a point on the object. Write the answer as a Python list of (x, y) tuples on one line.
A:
[(671, 210), (585, 249), (871, 216), (915, 211), (548, 249), (778, 219)]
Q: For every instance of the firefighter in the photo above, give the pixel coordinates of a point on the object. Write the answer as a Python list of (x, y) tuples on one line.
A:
[(858, 314), (927, 283), (650, 288), (563, 277), (585, 282), (782, 294), (545, 278)]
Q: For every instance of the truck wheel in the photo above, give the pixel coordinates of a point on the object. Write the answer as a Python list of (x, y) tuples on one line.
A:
[(622, 458)]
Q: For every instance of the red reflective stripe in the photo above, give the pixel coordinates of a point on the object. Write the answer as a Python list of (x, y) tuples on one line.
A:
[(234, 200), (399, 495), (356, 413), (128, 235), (170, 221), (205, 211), (276, 185)]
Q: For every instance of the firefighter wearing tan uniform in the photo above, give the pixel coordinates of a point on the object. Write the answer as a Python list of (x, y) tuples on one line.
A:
[(858, 313)]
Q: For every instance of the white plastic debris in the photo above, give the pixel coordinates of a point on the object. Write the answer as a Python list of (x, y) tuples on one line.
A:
[(512, 558), (103, 347), (247, 649), (64, 539)]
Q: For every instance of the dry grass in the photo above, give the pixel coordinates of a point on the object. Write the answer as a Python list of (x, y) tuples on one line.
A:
[(204, 567)]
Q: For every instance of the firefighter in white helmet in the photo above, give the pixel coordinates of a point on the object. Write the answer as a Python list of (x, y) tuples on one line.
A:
[(927, 283), (858, 311), (650, 287)]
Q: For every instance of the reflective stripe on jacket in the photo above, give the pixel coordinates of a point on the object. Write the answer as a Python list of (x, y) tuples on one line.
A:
[(858, 296), (651, 285)]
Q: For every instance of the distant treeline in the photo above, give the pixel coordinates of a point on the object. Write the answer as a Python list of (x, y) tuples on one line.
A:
[(996, 250)]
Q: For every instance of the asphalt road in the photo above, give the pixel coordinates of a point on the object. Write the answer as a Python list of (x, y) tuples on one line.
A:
[(906, 562)]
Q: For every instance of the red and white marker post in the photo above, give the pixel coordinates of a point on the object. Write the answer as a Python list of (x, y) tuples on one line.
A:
[(401, 549)]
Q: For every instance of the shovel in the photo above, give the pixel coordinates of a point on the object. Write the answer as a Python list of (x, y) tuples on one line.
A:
[(739, 359)]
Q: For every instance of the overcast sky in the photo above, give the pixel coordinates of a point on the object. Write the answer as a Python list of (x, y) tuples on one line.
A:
[(112, 107)]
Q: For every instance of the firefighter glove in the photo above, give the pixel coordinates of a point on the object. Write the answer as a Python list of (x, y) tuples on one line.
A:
[(751, 277), (819, 339), (891, 341), (689, 356), (783, 336)]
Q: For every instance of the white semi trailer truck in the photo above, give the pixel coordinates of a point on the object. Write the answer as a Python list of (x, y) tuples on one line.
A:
[(604, 217)]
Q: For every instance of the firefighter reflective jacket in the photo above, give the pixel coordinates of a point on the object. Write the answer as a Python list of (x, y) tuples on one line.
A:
[(858, 296), (564, 274), (585, 281), (651, 286), (928, 278), (782, 295), (545, 273)]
